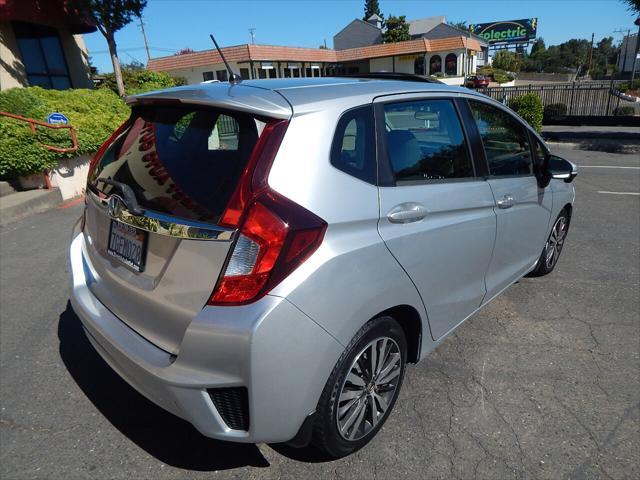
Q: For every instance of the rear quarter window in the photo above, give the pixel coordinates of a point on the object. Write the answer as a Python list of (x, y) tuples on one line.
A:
[(353, 147)]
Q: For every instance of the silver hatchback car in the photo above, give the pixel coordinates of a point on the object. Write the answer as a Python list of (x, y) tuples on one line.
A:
[(263, 259)]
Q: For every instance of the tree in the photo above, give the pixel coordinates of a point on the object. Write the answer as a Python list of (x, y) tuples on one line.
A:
[(506, 60), (184, 51), (132, 65), (397, 29), (110, 16), (538, 46), (633, 6), (460, 25), (371, 7)]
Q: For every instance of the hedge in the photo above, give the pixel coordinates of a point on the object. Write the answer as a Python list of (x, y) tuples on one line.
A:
[(141, 81), (94, 114), (529, 106)]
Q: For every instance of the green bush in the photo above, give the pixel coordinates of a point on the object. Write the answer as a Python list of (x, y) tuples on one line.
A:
[(94, 114), (500, 76), (623, 111), (554, 110), (530, 108), (141, 81)]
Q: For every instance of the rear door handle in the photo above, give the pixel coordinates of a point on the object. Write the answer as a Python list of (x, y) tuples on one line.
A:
[(407, 212), (507, 201)]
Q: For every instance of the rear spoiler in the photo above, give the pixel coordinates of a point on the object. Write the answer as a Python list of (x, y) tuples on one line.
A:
[(256, 101)]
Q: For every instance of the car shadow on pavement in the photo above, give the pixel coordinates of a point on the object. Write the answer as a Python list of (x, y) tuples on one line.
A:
[(168, 438)]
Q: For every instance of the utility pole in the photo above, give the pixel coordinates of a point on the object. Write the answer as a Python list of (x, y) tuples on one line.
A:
[(635, 57), (144, 37), (626, 45), (252, 32), (590, 55)]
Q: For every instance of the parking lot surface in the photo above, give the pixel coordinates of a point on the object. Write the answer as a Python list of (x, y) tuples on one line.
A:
[(543, 383)]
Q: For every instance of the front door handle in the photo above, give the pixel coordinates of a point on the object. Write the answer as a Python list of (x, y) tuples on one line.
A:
[(407, 212), (507, 201)]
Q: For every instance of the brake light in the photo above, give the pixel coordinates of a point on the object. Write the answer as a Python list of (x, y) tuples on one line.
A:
[(275, 235), (103, 148)]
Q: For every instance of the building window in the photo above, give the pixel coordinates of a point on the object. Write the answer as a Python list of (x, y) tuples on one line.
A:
[(42, 56), (222, 75), (244, 73), (418, 66), (435, 65), (207, 76), (451, 64)]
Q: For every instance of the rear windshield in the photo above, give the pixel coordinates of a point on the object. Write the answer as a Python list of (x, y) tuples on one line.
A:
[(181, 161)]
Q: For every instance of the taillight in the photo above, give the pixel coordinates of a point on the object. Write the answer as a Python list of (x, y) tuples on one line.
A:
[(103, 148), (275, 234)]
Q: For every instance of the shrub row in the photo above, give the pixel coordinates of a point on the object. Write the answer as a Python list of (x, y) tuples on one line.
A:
[(141, 81), (94, 114)]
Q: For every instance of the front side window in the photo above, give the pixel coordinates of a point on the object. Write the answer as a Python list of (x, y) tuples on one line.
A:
[(425, 141), (353, 149), (42, 56), (505, 140)]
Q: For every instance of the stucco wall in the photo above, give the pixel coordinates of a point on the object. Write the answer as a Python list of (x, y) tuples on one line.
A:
[(12, 72)]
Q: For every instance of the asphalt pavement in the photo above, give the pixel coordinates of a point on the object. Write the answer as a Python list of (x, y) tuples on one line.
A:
[(543, 383)]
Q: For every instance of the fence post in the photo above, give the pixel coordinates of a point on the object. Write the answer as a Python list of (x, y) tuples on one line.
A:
[(573, 89)]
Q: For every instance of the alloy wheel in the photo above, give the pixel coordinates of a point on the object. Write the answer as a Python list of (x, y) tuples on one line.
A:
[(369, 388), (555, 242)]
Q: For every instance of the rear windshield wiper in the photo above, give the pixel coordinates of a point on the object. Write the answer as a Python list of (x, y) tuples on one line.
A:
[(129, 196)]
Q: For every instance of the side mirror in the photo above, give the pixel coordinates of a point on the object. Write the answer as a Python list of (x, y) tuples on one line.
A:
[(561, 169)]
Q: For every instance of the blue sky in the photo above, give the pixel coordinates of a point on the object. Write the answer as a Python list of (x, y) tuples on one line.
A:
[(175, 24)]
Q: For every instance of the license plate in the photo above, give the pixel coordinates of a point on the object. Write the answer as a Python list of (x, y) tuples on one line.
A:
[(128, 244)]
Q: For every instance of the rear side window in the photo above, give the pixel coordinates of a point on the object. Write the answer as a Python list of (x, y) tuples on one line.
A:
[(180, 161), (353, 148), (505, 140), (425, 141)]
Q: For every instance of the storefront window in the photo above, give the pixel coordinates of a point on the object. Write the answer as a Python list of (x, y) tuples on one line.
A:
[(42, 56), (451, 64), (435, 65), (418, 66)]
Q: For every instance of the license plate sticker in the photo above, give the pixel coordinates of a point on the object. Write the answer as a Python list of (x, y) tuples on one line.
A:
[(128, 244)]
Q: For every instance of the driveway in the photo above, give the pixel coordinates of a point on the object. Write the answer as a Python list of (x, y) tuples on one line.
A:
[(544, 383)]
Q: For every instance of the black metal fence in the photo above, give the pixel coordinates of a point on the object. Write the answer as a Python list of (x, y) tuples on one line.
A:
[(587, 99)]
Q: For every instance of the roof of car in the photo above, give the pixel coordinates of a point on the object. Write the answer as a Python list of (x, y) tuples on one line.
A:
[(276, 97)]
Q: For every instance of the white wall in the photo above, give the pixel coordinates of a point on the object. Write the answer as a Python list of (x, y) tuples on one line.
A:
[(381, 64), (194, 74)]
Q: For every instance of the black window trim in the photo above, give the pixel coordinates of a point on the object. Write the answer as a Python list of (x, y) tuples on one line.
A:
[(336, 143), (386, 176), (473, 126)]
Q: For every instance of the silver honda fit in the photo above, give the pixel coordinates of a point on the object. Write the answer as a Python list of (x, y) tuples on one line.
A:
[(264, 258)]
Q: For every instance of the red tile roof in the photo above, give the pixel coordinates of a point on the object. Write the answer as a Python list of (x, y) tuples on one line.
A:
[(248, 52)]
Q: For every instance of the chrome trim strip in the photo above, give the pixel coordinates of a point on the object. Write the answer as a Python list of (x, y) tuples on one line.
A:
[(167, 225)]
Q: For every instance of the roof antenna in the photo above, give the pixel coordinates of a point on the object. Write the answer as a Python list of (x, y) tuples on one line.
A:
[(234, 78)]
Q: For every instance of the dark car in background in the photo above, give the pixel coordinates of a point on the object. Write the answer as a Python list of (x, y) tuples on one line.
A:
[(477, 81)]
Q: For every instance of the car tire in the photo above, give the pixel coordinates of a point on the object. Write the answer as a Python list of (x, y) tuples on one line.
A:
[(553, 247), (345, 417)]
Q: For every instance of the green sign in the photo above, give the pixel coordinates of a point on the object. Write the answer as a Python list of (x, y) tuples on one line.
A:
[(506, 32)]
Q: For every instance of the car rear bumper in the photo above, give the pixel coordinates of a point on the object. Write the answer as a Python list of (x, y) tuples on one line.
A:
[(270, 347)]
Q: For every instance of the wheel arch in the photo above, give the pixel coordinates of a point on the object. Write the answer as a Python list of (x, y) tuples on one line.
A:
[(410, 321)]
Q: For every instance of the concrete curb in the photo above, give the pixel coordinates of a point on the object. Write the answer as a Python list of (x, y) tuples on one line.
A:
[(19, 205)]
